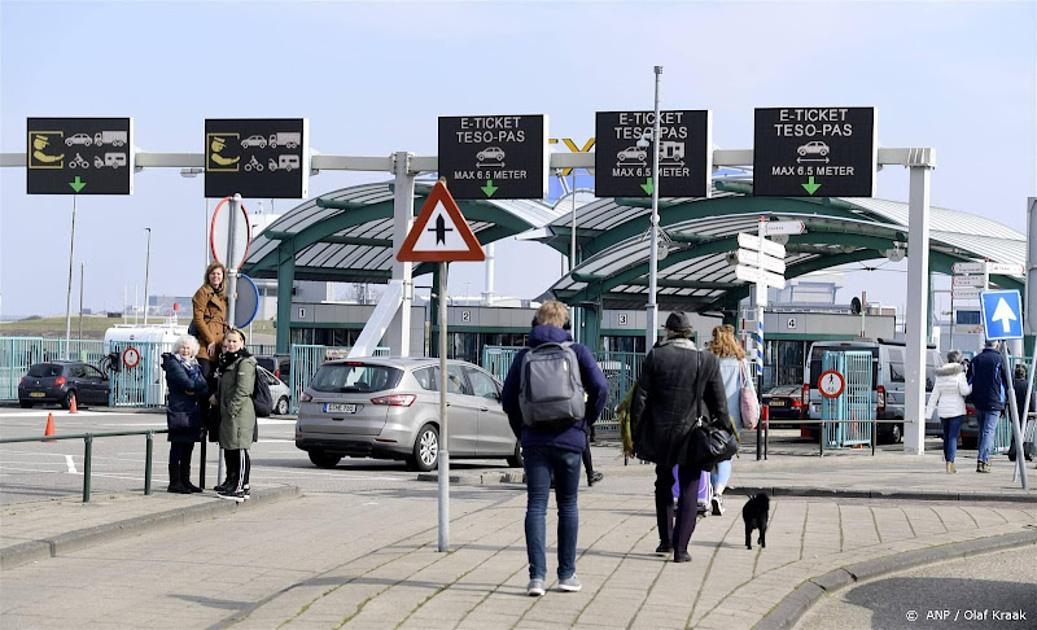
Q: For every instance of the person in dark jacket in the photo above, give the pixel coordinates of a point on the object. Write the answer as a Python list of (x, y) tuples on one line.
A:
[(187, 388), (555, 450), (988, 397), (1019, 384), (238, 422), (662, 413)]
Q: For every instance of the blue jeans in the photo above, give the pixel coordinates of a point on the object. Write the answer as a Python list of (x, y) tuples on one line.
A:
[(951, 428), (987, 419), (540, 462), (720, 474)]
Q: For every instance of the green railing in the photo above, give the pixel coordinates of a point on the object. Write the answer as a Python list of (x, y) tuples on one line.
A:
[(18, 353), (88, 449)]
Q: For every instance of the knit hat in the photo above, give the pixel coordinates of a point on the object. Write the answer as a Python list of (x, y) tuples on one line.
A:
[(678, 322)]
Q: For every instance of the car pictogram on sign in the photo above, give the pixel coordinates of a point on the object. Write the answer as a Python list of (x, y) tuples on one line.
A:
[(489, 154), (815, 147), (632, 154)]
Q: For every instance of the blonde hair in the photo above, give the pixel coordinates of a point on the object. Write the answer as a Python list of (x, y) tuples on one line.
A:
[(553, 313), (724, 344), (185, 341)]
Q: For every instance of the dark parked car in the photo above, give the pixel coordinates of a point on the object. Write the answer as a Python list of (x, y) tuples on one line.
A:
[(785, 402), (280, 367), (59, 381)]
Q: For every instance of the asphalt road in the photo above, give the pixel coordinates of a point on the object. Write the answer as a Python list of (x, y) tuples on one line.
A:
[(35, 471), (997, 590)]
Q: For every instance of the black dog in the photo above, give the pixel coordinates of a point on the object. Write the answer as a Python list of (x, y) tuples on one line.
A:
[(755, 514)]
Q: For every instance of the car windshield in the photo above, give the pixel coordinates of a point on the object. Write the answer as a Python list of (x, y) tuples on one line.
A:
[(355, 378), (45, 370)]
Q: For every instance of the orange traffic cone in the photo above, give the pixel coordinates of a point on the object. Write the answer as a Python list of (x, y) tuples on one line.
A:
[(72, 404), (49, 431)]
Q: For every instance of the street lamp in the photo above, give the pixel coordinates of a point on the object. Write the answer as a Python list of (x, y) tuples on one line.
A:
[(652, 307), (147, 272)]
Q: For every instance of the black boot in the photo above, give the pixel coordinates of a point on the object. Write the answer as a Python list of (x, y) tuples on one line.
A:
[(175, 485), (185, 475)]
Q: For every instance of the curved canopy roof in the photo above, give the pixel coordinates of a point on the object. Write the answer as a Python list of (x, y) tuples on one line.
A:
[(346, 235), (698, 234)]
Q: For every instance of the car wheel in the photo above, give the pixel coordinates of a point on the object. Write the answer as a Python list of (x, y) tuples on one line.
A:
[(802, 152), (282, 406), (25, 404), (321, 459), (824, 152), (66, 402), (425, 454), (897, 434), (515, 461)]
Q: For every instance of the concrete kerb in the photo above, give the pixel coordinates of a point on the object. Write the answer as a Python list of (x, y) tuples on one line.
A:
[(931, 495), (35, 550), (791, 608)]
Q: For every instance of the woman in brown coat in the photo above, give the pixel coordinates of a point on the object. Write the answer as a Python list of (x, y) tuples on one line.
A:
[(209, 324)]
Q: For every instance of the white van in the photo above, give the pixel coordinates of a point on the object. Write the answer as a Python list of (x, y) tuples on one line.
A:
[(888, 381)]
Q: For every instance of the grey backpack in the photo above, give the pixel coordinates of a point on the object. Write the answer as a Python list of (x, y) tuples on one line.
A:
[(550, 387)]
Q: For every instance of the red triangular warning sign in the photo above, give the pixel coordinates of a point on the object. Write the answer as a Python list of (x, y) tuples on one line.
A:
[(440, 233)]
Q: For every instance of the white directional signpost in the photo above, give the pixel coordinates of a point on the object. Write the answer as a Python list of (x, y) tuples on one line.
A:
[(441, 234), (762, 262), (1003, 319)]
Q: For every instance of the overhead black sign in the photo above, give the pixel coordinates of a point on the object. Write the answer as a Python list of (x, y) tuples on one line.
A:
[(257, 157), (498, 157), (623, 168), (815, 152), (84, 156)]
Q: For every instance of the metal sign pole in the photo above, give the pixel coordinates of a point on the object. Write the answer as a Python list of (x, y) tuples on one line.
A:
[(68, 298), (761, 302), (1020, 458), (230, 287), (444, 451)]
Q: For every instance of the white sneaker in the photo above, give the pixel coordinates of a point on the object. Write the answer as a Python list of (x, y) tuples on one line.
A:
[(535, 588), (570, 584), (718, 505)]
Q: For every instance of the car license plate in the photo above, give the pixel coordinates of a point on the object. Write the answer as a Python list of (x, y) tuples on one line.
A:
[(777, 403), (339, 407), (37, 394)]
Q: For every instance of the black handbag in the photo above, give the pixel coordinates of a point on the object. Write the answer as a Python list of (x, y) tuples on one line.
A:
[(178, 420)]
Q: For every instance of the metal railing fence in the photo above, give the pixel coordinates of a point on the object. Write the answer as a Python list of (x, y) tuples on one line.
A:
[(88, 449)]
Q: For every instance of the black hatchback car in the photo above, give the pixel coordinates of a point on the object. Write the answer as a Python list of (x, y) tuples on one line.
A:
[(60, 381)]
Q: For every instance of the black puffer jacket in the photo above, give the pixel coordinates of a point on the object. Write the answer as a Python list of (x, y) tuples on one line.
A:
[(186, 387), (661, 413)]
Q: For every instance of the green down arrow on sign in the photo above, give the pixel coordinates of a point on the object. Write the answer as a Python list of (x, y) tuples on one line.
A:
[(78, 184), (489, 188), (810, 186), (648, 186)]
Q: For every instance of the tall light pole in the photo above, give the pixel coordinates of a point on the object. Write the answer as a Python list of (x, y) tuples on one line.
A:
[(68, 296), (147, 272), (652, 307)]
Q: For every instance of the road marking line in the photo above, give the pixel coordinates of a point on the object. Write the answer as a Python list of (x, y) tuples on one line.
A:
[(71, 464)]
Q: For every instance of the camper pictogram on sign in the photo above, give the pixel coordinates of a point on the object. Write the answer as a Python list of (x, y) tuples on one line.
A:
[(440, 233)]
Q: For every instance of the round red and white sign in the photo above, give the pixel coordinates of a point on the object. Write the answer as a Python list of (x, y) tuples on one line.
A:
[(131, 357), (831, 384)]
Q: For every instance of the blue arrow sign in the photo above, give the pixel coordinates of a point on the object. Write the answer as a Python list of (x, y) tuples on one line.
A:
[(1002, 314)]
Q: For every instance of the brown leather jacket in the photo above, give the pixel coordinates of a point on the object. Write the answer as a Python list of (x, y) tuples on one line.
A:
[(210, 318)]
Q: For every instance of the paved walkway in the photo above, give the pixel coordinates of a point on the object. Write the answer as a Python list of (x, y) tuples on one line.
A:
[(368, 559)]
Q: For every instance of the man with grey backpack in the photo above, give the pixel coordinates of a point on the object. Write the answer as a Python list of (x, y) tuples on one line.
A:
[(553, 393)]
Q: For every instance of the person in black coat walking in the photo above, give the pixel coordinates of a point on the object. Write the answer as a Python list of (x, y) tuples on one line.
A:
[(988, 397), (662, 413), (187, 388)]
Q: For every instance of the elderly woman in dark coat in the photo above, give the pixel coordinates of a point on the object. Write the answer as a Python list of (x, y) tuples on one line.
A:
[(187, 388), (664, 407)]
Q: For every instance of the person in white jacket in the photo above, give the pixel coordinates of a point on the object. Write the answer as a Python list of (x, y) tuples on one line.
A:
[(948, 400)]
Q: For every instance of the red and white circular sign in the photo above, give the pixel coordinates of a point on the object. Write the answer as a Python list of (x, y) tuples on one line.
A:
[(131, 357), (219, 230), (831, 384)]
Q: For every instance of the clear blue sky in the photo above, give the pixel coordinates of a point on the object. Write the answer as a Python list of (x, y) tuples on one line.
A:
[(372, 79)]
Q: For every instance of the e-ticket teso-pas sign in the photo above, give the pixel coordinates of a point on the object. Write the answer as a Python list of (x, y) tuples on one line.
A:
[(257, 157), (498, 157), (79, 156), (815, 151), (623, 168)]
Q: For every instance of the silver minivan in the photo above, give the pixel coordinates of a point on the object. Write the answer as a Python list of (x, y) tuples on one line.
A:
[(388, 407), (888, 381)]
